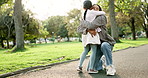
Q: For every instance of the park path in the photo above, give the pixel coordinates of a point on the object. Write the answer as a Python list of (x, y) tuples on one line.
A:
[(130, 63)]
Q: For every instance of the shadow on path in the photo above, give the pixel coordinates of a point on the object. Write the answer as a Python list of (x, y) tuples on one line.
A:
[(101, 74)]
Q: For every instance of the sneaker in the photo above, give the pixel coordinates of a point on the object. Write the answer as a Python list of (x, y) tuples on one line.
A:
[(110, 70), (91, 71), (79, 69)]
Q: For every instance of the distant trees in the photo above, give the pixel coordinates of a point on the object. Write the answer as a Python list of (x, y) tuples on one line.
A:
[(144, 16), (56, 26), (63, 26), (63, 32), (131, 15), (73, 20), (19, 26), (6, 23), (126, 17), (5, 1), (31, 27)]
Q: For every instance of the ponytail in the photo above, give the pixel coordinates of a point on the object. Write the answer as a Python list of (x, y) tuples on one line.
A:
[(85, 14)]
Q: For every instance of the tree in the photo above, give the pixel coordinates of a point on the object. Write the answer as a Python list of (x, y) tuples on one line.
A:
[(129, 8), (4, 1), (43, 33), (73, 20), (18, 25), (63, 32), (114, 29), (53, 24), (6, 23), (144, 9)]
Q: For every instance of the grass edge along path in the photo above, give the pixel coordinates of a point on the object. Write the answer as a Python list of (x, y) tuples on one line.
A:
[(118, 45)]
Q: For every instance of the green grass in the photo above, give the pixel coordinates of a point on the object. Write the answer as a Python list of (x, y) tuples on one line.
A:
[(130, 43), (43, 54)]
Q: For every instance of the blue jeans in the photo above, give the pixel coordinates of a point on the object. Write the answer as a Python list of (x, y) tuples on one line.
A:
[(89, 47), (104, 49)]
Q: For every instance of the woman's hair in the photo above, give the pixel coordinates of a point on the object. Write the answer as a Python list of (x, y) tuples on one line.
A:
[(100, 9)]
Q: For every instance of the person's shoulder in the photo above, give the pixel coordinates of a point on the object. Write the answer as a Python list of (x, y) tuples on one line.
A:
[(100, 16)]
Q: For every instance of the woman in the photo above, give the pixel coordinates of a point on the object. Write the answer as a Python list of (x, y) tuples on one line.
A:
[(107, 42)]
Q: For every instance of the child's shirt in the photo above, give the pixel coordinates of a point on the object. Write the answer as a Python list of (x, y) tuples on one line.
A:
[(88, 38), (91, 14)]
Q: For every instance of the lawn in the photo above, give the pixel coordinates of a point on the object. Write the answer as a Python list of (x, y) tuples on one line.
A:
[(43, 54)]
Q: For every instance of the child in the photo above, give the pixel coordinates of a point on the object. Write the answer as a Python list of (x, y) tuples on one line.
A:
[(89, 41)]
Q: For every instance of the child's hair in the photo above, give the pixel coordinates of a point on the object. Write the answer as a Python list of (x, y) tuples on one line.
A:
[(87, 4), (85, 14), (100, 9)]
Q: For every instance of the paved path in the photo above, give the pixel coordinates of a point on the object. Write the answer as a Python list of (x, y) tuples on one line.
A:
[(130, 63)]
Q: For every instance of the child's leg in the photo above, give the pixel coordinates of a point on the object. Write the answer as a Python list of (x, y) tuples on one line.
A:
[(83, 55), (93, 55), (98, 62)]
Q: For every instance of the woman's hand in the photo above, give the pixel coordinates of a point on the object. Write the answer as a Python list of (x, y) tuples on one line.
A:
[(92, 32)]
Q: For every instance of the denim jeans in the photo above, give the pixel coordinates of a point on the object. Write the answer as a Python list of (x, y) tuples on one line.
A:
[(104, 49), (93, 48)]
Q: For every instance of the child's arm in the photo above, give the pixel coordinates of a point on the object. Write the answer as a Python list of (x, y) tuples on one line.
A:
[(98, 12)]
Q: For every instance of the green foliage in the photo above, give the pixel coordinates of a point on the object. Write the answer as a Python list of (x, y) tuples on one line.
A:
[(63, 32), (32, 27), (125, 9), (6, 23), (5, 1), (43, 32), (104, 5), (33, 41), (53, 23), (73, 20), (52, 39), (30, 24)]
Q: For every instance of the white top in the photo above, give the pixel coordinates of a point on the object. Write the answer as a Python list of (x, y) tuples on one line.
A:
[(91, 14), (88, 38)]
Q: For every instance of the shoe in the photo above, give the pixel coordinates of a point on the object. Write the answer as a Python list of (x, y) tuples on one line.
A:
[(79, 69), (91, 71), (110, 70)]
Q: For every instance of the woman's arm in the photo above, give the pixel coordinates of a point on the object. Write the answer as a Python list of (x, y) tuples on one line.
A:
[(99, 21)]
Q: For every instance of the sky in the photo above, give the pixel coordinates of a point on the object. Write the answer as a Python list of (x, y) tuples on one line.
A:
[(45, 8)]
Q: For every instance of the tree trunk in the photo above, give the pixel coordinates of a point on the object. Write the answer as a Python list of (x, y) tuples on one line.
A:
[(147, 33), (133, 28), (114, 29), (18, 25), (68, 39), (8, 46), (45, 40), (14, 41), (2, 44)]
